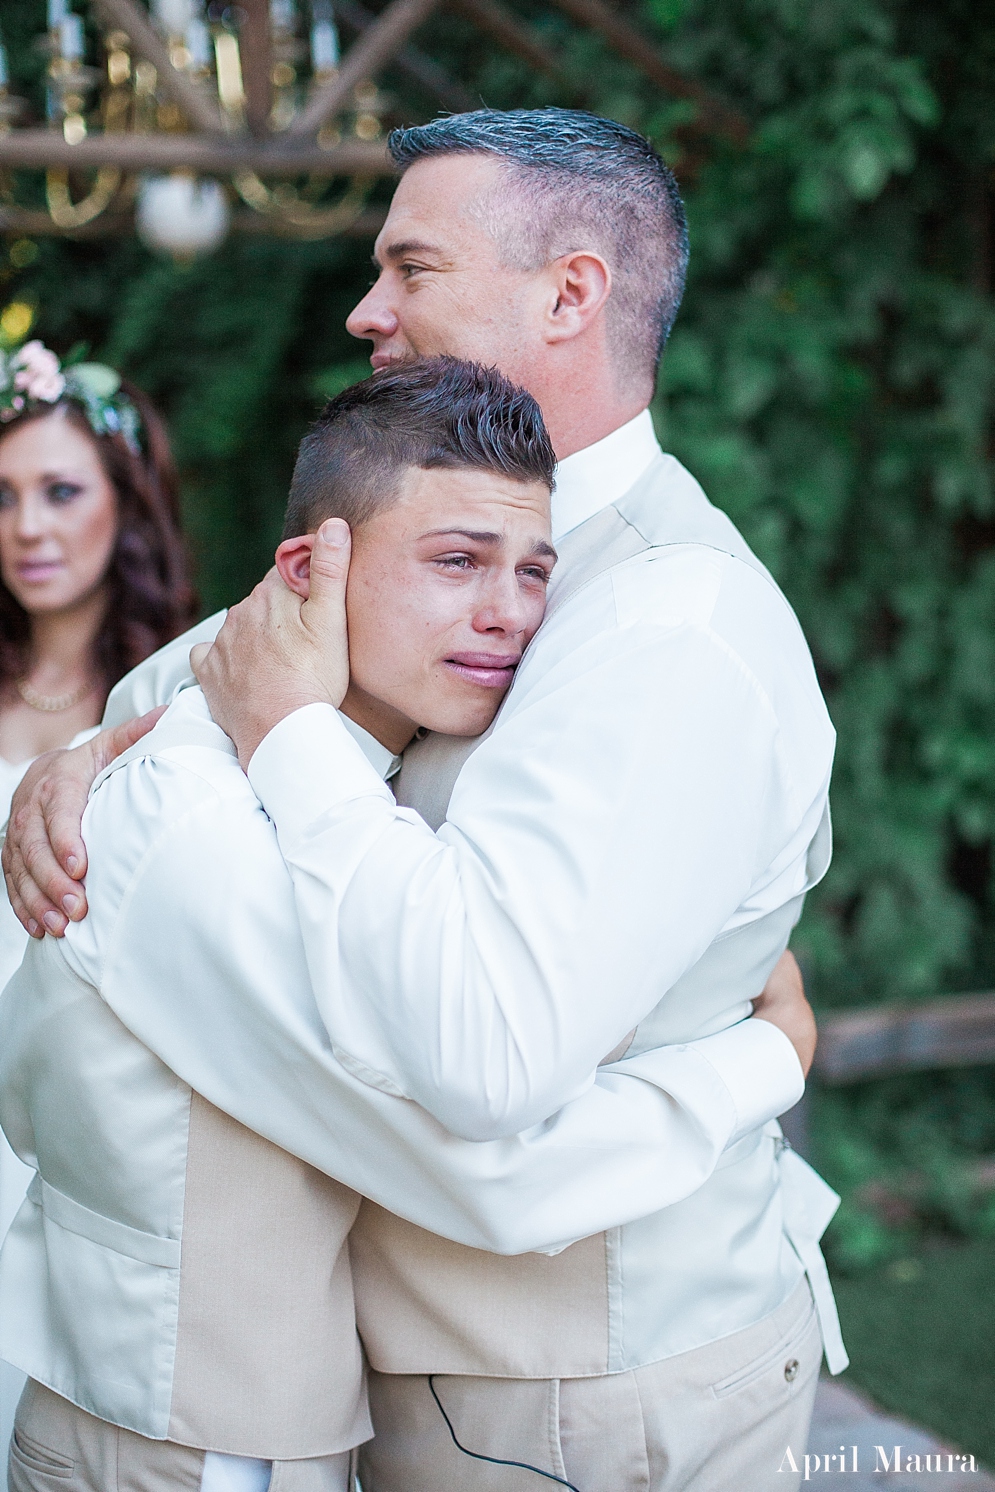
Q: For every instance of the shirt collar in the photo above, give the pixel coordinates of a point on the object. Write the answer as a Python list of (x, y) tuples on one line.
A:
[(380, 758), (598, 475)]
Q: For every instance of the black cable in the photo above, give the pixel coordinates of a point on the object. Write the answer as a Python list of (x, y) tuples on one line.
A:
[(494, 1460)]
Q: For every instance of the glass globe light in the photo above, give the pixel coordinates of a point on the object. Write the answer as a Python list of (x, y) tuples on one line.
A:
[(181, 216)]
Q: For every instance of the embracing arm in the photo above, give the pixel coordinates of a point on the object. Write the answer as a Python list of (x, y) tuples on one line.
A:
[(638, 789), (204, 964), (484, 970)]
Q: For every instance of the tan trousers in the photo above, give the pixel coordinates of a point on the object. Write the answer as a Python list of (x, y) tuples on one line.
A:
[(718, 1419), (58, 1447)]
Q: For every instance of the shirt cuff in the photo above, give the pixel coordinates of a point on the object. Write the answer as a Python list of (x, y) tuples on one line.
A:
[(760, 1068), (307, 766)]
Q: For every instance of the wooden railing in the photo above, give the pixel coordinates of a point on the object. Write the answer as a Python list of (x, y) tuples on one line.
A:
[(958, 1031)]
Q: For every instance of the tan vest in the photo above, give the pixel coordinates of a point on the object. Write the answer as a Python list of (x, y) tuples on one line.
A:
[(267, 1362), (170, 1271), (425, 1304)]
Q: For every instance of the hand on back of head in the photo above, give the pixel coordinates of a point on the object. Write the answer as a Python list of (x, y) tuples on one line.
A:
[(295, 650)]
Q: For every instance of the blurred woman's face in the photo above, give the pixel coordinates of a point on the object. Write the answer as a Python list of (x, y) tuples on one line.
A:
[(58, 514)]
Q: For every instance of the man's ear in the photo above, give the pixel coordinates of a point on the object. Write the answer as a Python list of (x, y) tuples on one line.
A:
[(293, 561), (582, 283)]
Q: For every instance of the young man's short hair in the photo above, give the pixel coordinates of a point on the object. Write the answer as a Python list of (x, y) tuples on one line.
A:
[(436, 412)]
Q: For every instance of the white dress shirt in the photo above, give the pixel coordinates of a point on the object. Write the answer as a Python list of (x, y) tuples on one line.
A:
[(561, 914), (597, 475), (192, 940), (657, 774), (318, 746), (15, 1176)]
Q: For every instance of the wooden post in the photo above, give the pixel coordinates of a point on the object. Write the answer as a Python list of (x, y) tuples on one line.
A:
[(256, 47)]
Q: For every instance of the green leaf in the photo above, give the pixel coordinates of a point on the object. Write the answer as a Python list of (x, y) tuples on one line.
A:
[(96, 379)]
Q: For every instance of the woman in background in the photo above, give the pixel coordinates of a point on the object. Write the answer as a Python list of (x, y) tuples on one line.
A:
[(93, 578)]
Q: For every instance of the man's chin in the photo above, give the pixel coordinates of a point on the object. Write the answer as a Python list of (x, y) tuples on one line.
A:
[(462, 722)]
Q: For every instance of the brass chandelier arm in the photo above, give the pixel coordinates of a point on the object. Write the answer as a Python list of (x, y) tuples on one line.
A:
[(291, 211), (147, 43), (67, 214), (214, 157), (64, 212), (365, 58), (256, 48)]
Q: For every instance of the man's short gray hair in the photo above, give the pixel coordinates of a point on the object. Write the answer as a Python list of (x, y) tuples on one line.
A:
[(584, 183)]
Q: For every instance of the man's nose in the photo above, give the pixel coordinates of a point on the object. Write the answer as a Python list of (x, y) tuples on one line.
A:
[(373, 317), (502, 607)]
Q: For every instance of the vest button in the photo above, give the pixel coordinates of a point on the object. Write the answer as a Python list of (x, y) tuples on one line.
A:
[(791, 1370)]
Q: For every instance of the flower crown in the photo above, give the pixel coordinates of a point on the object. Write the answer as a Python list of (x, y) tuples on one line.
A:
[(32, 375)]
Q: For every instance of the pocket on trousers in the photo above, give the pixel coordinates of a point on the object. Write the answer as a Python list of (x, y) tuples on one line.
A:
[(35, 1457), (783, 1355)]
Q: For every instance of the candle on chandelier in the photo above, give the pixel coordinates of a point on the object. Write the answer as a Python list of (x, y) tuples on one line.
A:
[(324, 38), (198, 40), (174, 16), (72, 42)]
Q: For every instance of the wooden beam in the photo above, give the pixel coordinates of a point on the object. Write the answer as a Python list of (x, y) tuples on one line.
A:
[(255, 45), (955, 1032), (212, 155), (714, 113), (23, 222), (506, 29), (416, 64), (146, 41), (366, 225), (365, 58)]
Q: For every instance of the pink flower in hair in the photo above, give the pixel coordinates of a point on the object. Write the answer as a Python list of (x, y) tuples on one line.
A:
[(38, 372), (49, 389)]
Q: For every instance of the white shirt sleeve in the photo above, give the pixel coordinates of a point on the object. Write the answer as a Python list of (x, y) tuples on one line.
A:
[(634, 798), (192, 940)]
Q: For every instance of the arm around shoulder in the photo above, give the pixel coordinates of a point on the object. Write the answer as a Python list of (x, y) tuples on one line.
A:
[(155, 680)]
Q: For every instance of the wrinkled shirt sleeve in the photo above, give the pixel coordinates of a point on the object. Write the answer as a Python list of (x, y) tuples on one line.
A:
[(192, 941)]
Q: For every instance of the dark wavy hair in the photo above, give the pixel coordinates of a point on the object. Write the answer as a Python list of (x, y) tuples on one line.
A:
[(151, 598)]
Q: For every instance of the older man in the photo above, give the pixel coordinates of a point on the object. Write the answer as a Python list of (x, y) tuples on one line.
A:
[(620, 866)]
